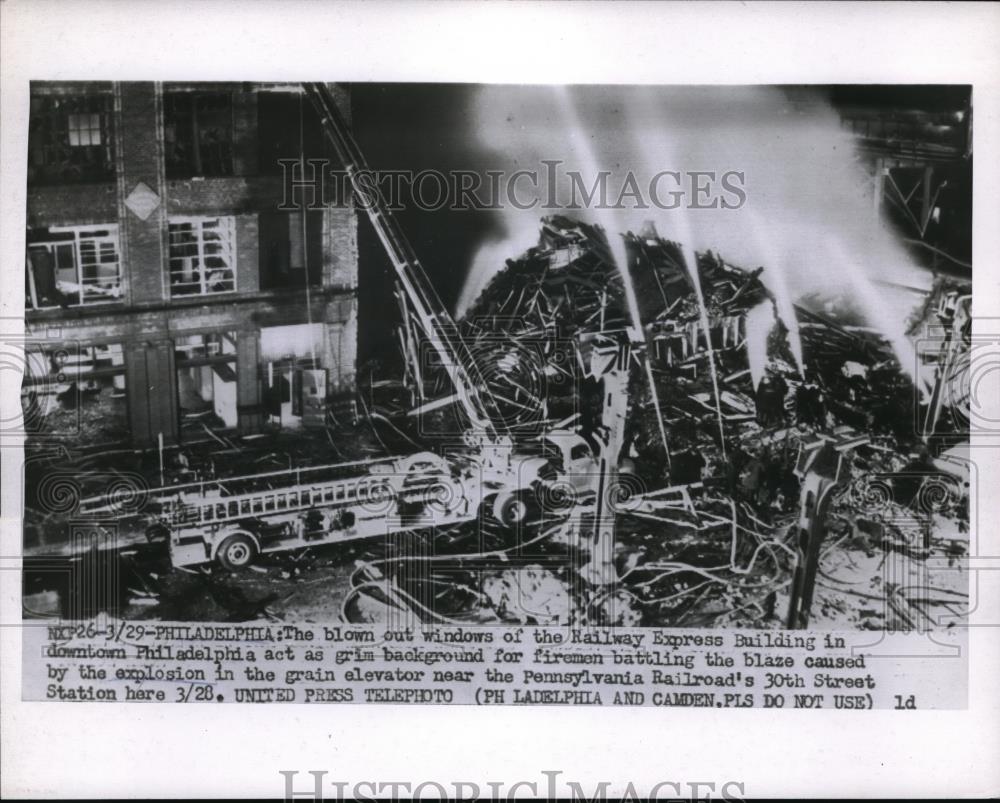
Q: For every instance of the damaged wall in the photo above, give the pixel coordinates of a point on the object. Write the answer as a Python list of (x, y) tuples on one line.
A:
[(147, 143)]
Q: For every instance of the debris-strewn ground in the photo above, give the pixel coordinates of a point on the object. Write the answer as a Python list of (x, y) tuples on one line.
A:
[(728, 423)]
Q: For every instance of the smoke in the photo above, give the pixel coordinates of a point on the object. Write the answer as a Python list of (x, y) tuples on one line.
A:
[(808, 218), (759, 323), (521, 233)]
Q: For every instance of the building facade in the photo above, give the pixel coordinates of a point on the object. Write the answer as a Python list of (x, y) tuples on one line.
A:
[(172, 288)]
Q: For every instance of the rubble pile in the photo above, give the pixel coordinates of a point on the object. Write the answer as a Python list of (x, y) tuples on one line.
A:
[(726, 556)]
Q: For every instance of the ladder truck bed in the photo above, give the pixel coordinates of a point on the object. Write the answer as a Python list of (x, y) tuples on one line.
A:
[(416, 492)]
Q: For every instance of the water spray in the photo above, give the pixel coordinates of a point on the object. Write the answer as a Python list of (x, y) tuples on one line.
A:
[(612, 227)]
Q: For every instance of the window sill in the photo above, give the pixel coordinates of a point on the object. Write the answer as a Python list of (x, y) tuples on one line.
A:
[(98, 306)]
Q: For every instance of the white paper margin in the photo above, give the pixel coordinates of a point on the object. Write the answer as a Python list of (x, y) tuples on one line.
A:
[(110, 750)]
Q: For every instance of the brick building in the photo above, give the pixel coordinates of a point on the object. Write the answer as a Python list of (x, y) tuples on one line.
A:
[(167, 293)]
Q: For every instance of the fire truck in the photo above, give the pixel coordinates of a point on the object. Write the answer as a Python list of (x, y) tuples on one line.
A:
[(233, 521)]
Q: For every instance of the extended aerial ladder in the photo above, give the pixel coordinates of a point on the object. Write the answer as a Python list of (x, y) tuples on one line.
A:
[(487, 434), (433, 318)]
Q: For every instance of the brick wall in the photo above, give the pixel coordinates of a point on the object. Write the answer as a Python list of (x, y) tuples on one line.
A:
[(340, 248), (247, 254), (341, 243), (72, 205), (149, 322), (140, 159), (342, 346), (223, 196), (196, 315)]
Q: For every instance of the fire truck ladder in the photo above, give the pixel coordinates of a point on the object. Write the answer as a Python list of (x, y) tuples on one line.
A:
[(288, 490), (371, 490), (438, 326)]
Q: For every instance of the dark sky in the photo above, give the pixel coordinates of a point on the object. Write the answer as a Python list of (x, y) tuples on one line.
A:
[(417, 127)]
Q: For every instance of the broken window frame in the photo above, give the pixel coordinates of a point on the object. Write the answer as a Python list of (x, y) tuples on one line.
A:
[(89, 246), (215, 350), (187, 151), (57, 120), (305, 378), (205, 348), (221, 248)]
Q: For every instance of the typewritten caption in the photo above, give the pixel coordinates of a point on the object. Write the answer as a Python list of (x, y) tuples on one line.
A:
[(120, 661)]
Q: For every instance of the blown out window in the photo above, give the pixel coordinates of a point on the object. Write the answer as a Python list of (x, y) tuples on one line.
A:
[(198, 134), (202, 256), (72, 265)]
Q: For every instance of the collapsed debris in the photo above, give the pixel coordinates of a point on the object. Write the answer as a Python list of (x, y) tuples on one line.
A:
[(729, 553)]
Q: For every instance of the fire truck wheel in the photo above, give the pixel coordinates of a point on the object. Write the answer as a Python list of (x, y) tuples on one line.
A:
[(236, 552), (509, 509)]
